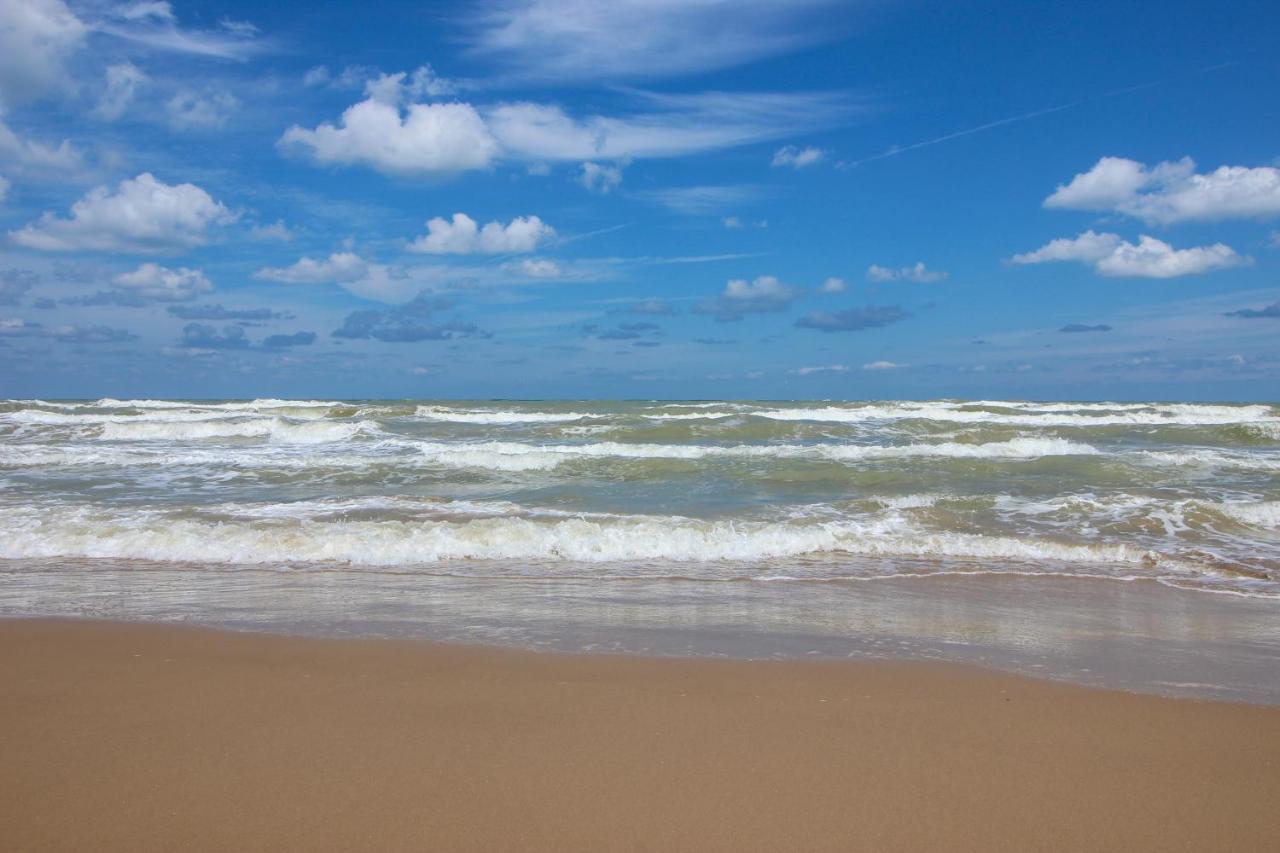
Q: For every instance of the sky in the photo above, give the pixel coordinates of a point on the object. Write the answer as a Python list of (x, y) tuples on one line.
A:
[(655, 199)]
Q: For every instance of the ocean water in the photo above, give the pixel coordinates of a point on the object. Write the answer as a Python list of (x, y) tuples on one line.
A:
[(1146, 532)]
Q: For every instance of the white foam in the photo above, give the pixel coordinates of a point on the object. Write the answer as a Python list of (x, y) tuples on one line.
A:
[(230, 406), (97, 533), (1263, 514), (276, 430), (482, 416), (1171, 415), (1208, 457), (518, 456)]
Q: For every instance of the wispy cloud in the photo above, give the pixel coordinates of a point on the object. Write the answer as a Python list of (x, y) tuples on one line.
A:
[(703, 200), (628, 39)]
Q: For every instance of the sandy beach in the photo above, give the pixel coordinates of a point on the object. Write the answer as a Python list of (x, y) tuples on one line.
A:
[(134, 737)]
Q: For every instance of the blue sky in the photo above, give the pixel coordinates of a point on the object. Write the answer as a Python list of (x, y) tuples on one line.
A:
[(527, 198)]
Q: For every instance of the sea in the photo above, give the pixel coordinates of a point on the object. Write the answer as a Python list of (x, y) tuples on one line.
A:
[(1132, 545)]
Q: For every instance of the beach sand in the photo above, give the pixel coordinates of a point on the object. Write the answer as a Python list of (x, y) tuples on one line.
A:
[(138, 738)]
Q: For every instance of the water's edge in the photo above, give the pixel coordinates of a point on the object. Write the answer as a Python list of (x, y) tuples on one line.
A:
[(1136, 636)]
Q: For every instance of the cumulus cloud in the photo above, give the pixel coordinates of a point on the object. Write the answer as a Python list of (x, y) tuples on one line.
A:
[(189, 111), (1171, 191), (120, 83), (37, 37), (797, 158), (918, 273), (834, 285), (340, 267), (763, 295), (463, 236), (882, 365), (1111, 256), (1270, 312), (420, 139), (143, 214), (204, 336), (406, 323), (600, 179), (1076, 328), (152, 281), (392, 132), (853, 319)]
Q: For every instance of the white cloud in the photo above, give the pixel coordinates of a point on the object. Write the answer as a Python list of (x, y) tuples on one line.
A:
[(37, 37), (4, 188), (731, 222), (25, 157), (764, 287), (834, 285), (423, 139), (463, 236), (1148, 258), (401, 87), (830, 368), (540, 268), (161, 283), (882, 365), (195, 111), (392, 133), (339, 267), (1171, 191), (143, 214), (600, 179), (121, 83), (675, 125), (317, 76), (550, 40), (762, 295), (797, 158), (918, 273), (277, 231), (353, 273), (702, 200), (152, 24)]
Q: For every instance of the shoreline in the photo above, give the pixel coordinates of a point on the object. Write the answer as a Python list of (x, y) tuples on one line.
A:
[(1130, 635), (128, 736)]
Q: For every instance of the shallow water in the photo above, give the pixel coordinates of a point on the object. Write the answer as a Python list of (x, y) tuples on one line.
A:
[(357, 515)]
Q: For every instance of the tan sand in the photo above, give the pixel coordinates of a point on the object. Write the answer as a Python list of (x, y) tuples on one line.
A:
[(140, 738)]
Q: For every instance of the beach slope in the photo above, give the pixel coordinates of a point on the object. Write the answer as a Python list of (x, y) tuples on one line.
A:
[(123, 737)]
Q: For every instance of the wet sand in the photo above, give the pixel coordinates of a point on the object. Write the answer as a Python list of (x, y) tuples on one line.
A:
[(136, 738)]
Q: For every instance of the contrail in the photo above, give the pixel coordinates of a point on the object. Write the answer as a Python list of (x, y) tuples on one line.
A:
[(894, 152)]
